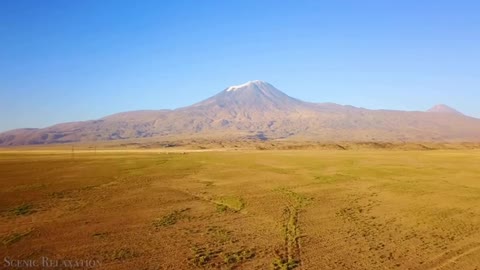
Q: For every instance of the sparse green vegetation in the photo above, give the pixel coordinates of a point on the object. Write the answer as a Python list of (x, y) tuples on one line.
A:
[(334, 179), (221, 208), (58, 194), (283, 264), (100, 235), (220, 235), (202, 256), (35, 186), (239, 256), (123, 254), (298, 199), (170, 219), (15, 237), (230, 203), (23, 210)]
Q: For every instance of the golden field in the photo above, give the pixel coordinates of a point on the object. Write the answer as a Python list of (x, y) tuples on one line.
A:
[(243, 209)]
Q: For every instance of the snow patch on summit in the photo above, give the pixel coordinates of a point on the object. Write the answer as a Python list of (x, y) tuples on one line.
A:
[(238, 87)]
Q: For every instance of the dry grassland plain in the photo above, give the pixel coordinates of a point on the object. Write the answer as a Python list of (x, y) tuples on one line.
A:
[(245, 209)]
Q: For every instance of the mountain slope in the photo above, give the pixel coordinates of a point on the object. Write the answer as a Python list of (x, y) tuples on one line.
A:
[(260, 110), (442, 108)]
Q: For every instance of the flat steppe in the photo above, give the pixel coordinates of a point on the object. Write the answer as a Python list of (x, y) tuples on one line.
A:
[(243, 209)]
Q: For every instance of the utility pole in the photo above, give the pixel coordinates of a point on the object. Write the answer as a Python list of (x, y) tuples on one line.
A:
[(73, 152)]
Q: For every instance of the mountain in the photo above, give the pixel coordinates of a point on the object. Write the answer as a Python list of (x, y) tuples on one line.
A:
[(442, 108), (257, 110), (252, 97)]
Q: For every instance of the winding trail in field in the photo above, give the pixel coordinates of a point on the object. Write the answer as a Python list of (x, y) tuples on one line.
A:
[(290, 258)]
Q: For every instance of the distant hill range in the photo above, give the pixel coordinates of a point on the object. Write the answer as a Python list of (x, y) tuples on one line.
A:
[(257, 110)]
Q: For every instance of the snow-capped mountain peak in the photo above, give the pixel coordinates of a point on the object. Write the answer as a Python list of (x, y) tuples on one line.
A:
[(245, 85)]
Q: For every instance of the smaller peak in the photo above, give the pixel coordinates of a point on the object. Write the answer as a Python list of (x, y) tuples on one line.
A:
[(442, 108)]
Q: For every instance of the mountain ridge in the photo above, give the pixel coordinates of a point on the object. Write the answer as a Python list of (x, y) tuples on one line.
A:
[(257, 108), (442, 108)]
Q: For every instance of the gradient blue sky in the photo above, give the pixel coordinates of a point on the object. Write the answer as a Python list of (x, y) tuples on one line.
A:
[(79, 60)]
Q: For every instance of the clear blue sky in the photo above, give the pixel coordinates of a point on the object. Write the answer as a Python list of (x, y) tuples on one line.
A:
[(79, 60)]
